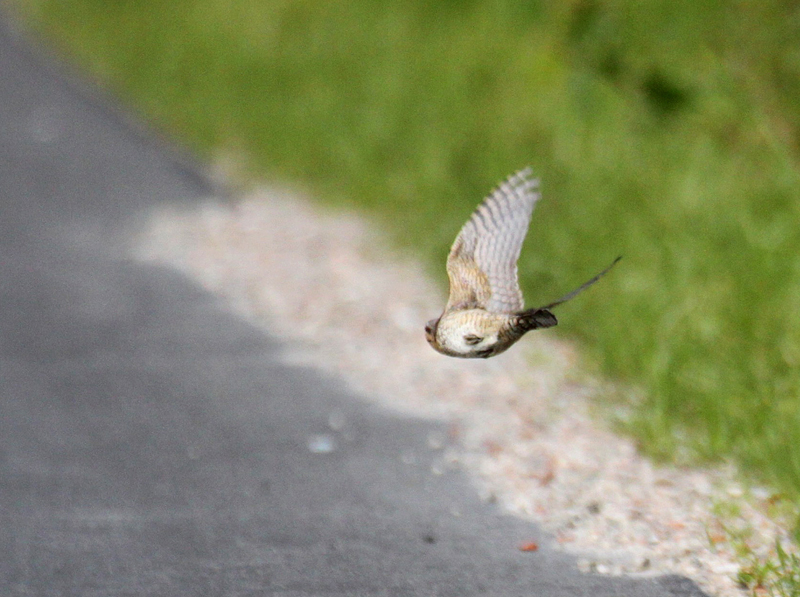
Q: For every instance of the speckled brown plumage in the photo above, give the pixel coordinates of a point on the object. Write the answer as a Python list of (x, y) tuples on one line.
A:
[(485, 313)]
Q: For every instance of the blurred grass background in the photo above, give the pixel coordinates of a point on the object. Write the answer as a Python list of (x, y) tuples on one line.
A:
[(664, 130)]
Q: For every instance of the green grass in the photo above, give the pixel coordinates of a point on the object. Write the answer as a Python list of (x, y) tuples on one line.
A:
[(777, 575), (666, 131)]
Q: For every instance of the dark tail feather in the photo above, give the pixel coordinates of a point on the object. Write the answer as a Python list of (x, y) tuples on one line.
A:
[(535, 319), (583, 287)]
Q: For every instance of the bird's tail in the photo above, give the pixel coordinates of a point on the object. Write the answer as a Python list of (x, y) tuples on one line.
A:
[(580, 289), (534, 319)]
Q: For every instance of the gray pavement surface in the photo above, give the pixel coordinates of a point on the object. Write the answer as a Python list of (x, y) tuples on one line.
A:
[(152, 443)]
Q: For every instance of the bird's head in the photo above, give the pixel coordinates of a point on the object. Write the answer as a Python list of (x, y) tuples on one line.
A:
[(447, 336)]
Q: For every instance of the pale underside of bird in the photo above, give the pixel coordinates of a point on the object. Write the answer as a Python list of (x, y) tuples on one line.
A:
[(485, 313)]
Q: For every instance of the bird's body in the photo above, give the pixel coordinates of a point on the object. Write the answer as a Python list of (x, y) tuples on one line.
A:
[(485, 315), (468, 331), (477, 333)]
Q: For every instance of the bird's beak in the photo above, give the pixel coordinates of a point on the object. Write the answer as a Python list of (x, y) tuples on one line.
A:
[(430, 331)]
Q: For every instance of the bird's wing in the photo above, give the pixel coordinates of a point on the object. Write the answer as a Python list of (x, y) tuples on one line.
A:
[(482, 264)]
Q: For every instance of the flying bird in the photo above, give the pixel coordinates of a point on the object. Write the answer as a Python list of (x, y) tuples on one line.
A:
[(485, 313)]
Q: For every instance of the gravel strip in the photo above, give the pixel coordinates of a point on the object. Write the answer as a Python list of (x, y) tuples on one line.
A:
[(519, 422)]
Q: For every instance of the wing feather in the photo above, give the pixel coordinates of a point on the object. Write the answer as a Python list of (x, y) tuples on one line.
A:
[(482, 265)]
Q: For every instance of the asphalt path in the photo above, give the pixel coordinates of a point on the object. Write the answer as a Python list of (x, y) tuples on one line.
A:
[(152, 443)]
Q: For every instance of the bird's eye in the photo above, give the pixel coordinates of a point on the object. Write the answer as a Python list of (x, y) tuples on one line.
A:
[(472, 339)]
